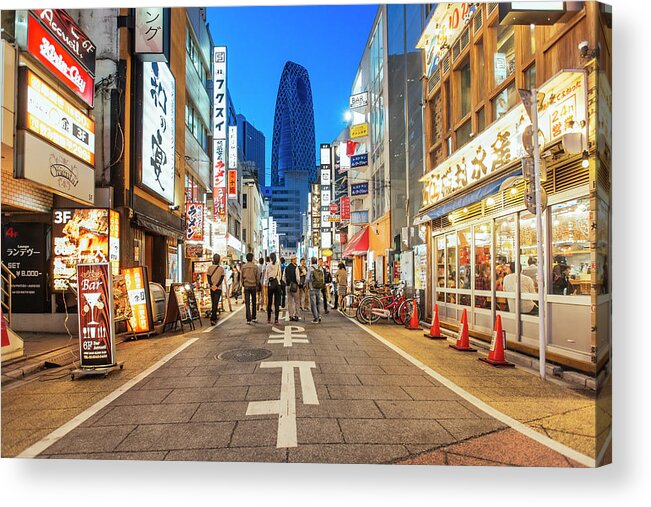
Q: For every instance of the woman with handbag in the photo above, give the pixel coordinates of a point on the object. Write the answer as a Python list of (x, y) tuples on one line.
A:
[(272, 277)]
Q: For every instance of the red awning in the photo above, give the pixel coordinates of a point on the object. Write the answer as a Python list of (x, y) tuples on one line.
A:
[(358, 244)]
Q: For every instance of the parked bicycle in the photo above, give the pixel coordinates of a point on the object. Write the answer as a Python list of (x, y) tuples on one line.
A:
[(393, 305)]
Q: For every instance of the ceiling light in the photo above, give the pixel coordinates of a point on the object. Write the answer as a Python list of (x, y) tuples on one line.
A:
[(490, 201), (585, 163)]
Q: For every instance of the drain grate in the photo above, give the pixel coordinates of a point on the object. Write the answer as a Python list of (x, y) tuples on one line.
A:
[(244, 355)]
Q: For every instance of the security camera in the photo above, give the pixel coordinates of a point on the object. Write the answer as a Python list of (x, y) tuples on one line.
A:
[(583, 47)]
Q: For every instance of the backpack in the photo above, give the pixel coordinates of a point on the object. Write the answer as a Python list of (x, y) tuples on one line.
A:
[(328, 277), (317, 279)]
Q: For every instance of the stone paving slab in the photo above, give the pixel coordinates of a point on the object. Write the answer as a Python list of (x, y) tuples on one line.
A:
[(346, 453), (392, 431), (221, 393), (241, 454), (423, 410), (148, 414), (367, 393), (91, 440), (154, 437), (121, 456)]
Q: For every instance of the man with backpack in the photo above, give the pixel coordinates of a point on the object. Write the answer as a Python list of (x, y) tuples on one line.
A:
[(250, 281), (215, 278), (316, 284), (290, 279), (327, 281)]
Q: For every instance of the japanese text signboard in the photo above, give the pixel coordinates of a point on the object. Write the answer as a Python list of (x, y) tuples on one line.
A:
[(561, 110), (360, 130), (96, 324), (194, 221), (359, 188), (232, 147), (158, 129), (219, 119), (344, 205), (138, 289), (232, 184), (359, 160), (152, 34), (359, 100), (68, 33), (58, 60), (24, 254), (48, 114)]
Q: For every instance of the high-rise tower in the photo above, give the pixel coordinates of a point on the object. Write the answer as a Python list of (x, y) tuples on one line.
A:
[(293, 153)]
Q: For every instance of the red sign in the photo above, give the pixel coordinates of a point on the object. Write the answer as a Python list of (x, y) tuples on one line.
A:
[(70, 35), (138, 290), (59, 61), (334, 209), (5, 333), (96, 327), (194, 221), (343, 238), (345, 208), (219, 190), (232, 184)]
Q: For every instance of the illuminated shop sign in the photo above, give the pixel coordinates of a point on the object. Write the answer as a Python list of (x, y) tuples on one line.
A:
[(219, 137), (232, 184), (360, 130), (58, 60), (359, 160), (82, 236), (359, 188), (194, 221), (68, 33), (232, 147), (325, 154), (138, 289), (359, 100), (47, 114), (562, 110), (158, 129), (344, 205), (152, 34), (444, 27)]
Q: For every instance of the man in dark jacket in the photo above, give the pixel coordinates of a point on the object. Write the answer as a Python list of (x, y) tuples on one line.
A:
[(250, 281), (291, 279)]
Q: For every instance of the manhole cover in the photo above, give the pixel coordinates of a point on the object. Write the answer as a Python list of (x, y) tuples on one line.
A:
[(244, 355)]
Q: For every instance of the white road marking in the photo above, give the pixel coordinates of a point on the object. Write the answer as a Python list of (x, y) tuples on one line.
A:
[(285, 407), (221, 321), (287, 336), (59, 433), (509, 421)]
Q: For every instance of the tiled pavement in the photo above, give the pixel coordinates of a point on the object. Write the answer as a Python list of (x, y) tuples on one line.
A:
[(373, 407)]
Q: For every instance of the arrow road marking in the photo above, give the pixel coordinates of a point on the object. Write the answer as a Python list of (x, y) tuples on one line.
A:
[(287, 336), (285, 407)]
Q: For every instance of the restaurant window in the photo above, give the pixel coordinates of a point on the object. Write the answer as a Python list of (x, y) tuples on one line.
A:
[(504, 56), (440, 266), (504, 260), (465, 88), (603, 234), (464, 133), (504, 101), (481, 67), (570, 228), (464, 263), (481, 120), (451, 265), (530, 77), (528, 263), (448, 113), (482, 265)]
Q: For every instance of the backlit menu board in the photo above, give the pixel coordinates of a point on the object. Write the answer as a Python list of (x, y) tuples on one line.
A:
[(138, 289), (82, 236)]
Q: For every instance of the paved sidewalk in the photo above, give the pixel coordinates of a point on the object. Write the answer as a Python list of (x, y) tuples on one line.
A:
[(562, 413), (336, 395)]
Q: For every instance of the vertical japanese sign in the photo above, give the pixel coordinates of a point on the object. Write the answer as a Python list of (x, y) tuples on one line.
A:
[(158, 129), (152, 34), (138, 289), (114, 241), (194, 221), (232, 147), (232, 184), (96, 328), (344, 208), (219, 119)]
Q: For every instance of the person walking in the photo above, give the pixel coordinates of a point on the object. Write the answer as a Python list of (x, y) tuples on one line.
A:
[(272, 277), (215, 277), (316, 285), (327, 278), (250, 282), (324, 290), (282, 283), (304, 295), (290, 277), (341, 282), (236, 283), (261, 292)]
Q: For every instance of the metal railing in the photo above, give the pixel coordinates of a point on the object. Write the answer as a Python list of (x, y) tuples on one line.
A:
[(5, 293)]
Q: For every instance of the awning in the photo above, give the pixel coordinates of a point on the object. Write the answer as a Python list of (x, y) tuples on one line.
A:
[(467, 199), (358, 244), (157, 227)]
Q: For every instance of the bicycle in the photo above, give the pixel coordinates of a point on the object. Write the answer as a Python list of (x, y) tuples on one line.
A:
[(394, 304)]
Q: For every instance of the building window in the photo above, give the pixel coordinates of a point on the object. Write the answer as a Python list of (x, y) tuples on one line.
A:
[(530, 77), (571, 271), (504, 259), (481, 67), (440, 264), (451, 266), (481, 120), (483, 265), (464, 134), (465, 89), (244, 200), (528, 263), (504, 56), (377, 57), (506, 99), (464, 263)]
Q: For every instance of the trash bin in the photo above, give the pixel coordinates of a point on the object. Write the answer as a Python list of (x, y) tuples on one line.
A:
[(157, 293)]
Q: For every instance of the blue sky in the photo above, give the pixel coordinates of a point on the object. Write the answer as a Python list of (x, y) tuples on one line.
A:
[(328, 40)]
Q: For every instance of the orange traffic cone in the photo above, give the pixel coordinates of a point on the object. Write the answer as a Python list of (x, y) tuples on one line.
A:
[(463, 342), (413, 322), (498, 344), (435, 330)]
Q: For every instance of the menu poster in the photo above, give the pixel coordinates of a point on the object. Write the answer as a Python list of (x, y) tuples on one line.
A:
[(179, 293), (137, 283), (122, 306), (96, 325), (193, 306)]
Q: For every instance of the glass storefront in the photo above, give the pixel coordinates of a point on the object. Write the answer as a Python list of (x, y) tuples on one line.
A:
[(491, 268)]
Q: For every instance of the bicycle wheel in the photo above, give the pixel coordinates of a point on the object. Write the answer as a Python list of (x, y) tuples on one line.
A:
[(365, 313), (402, 313), (349, 305)]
